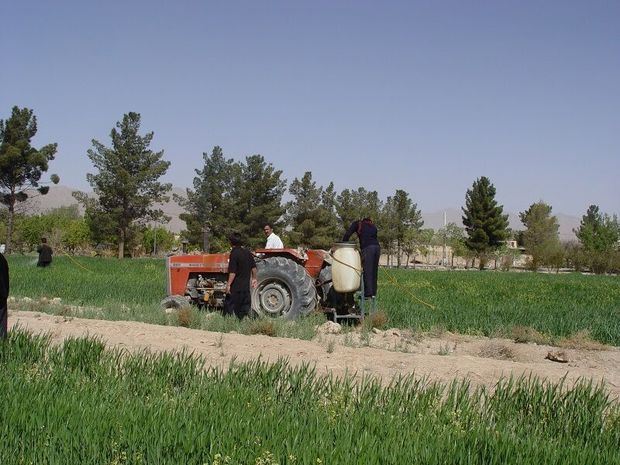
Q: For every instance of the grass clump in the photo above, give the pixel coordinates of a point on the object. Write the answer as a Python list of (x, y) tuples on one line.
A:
[(185, 317), (526, 334), (262, 326), (446, 349), (581, 340), (378, 319), (497, 351)]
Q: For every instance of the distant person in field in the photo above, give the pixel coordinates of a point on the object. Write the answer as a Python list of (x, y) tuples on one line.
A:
[(241, 275), (367, 234), (4, 295), (273, 240), (45, 253)]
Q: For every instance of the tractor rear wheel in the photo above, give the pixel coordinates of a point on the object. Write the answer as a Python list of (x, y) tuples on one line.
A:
[(285, 289), (175, 301)]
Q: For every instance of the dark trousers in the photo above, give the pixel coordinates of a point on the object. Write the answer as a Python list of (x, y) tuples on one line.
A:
[(4, 319), (238, 303), (370, 261)]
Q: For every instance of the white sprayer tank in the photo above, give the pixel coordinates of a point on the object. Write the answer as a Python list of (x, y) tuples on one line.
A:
[(346, 267)]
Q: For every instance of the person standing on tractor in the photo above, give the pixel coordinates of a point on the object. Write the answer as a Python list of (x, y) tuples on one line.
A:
[(45, 253), (367, 234), (273, 240), (241, 275)]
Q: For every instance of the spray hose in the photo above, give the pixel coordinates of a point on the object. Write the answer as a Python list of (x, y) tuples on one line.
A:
[(395, 283), (392, 280), (359, 272), (76, 262)]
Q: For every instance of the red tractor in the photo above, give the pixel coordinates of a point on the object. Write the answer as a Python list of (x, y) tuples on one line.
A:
[(290, 283)]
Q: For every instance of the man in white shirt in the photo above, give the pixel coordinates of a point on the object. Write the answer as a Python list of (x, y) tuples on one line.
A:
[(273, 241)]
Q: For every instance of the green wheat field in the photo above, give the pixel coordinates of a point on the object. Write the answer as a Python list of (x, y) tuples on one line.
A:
[(479, 303), (82, 403)]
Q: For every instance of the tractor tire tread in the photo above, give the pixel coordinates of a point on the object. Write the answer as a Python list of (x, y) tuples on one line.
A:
[(301, 285)]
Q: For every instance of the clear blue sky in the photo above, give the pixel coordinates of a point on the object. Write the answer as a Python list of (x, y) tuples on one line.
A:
[(421, 96)]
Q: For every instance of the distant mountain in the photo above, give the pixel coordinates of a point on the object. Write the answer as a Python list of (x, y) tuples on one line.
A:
[(59, 196)]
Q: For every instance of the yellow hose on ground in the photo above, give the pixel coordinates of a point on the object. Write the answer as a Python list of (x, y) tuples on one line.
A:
[(76, 262), (393, 281)]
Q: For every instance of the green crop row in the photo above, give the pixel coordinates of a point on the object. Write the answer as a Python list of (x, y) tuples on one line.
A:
[(486, 303), (90, 281), (492, 303), (80, 403)]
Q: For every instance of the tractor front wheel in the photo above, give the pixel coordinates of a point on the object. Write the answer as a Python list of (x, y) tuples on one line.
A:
[(285, 289)]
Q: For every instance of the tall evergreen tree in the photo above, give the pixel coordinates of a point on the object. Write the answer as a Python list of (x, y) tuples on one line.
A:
[(127, 183), (541, 235), (309, 215), (333, 227), (257, 199), (209, 205), (599, 235), (21, 165), (352, 205), (400, 216), (483, 218), (100, 223), (228, 196), (598, 231)]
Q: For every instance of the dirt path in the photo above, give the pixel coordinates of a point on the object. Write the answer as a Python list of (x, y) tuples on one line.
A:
[(388, 354)]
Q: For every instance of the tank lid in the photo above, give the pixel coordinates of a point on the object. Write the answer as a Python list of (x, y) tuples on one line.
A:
[(345, 244)]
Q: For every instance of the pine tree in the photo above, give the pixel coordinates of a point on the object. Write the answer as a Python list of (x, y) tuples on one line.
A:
[(401, 220), (311, 214), (599, 234), (541, 236), (209, 205), (484, 221), (352, 205), (333, 227), (257, 199), (232, 196), (127, 183), (21, 165)]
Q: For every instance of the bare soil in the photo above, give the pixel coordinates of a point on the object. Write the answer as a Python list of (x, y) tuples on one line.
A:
[(380, 354)]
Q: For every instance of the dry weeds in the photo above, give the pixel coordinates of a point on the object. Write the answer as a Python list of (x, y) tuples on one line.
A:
[(378, 319), (581, 340), (524, 334), (497, 351), (262, 326), (184, 317)]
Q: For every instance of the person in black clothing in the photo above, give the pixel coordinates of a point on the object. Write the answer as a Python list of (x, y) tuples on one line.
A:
[(241, 275), (367, 234), (45, 253), (4, 295)]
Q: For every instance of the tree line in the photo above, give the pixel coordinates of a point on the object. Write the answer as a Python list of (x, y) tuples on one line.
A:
[(228, 194)]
